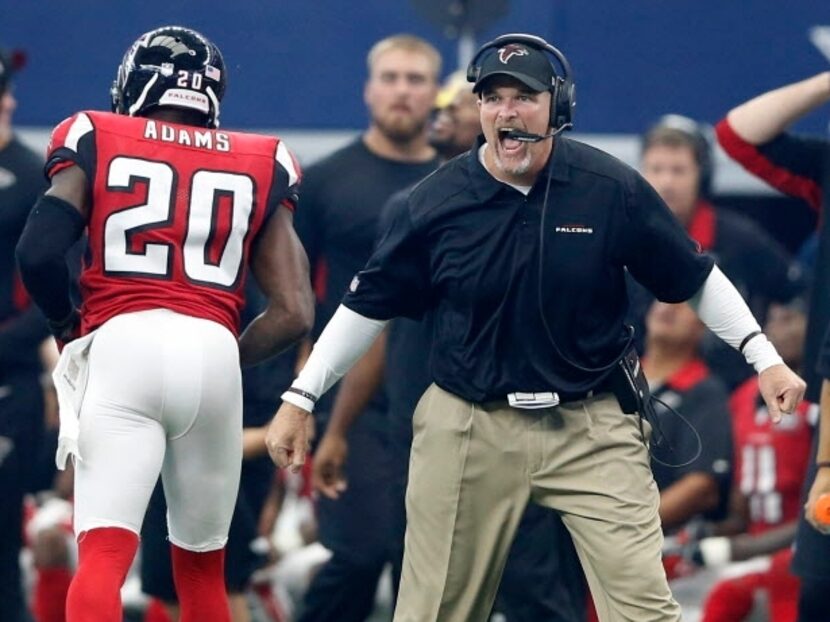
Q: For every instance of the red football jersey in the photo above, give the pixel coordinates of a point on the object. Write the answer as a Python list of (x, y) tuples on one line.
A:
[(174, 211), (771, 459)]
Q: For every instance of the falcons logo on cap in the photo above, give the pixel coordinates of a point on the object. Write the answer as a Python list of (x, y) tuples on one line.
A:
[(511, 50)]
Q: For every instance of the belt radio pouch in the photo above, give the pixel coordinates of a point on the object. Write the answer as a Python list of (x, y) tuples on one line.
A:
[(630, 386)]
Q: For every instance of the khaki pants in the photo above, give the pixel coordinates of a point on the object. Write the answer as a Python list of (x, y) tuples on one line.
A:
[(474, 467)]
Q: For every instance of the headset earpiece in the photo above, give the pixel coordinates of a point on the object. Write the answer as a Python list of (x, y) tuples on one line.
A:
[(563, 90)]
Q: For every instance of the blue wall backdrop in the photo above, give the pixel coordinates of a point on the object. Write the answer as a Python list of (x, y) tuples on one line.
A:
[(300, 64)]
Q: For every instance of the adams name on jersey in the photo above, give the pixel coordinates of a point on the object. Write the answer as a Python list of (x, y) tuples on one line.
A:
[(174, 211)]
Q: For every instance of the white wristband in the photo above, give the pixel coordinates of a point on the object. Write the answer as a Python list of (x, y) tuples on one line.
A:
[(715, 551), (761, 354), (298, 400)]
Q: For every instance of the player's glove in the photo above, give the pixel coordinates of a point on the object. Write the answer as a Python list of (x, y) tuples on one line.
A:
[(67, 329)]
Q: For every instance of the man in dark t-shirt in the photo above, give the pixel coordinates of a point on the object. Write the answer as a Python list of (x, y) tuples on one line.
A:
[(22, 328), (342, 200)]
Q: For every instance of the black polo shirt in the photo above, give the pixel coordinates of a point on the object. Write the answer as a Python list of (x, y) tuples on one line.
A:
[(468, 248)]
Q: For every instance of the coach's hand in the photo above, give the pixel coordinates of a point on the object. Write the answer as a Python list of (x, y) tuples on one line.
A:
[(781, 389), (288, 437), (329, 460)]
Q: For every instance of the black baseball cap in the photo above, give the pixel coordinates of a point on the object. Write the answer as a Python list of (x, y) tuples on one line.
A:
[(528, 65)]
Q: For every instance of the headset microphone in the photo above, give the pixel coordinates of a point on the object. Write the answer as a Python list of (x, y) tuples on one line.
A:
[(528, 137)]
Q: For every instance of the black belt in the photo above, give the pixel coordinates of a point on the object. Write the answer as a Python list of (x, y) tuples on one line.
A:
[(606, 386)]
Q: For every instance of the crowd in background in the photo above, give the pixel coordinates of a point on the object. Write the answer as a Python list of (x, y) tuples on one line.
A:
[(326, 543)]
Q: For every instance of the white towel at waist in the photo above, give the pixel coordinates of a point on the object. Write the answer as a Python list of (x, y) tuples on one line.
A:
[(70, 378)]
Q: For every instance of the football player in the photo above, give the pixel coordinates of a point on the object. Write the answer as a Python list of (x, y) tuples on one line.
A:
[(176, 210)]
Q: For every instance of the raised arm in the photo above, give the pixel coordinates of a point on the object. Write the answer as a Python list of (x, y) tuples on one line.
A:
[(762, 118)]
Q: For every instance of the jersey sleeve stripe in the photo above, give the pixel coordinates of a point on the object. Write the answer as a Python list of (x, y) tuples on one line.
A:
[(53, 169), (285, 158), (748, 156), (81, 126)]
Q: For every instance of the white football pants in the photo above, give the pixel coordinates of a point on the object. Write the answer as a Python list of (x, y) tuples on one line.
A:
[(164, 396)]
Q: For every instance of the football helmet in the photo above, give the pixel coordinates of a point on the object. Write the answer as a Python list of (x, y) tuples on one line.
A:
[(171, 66)]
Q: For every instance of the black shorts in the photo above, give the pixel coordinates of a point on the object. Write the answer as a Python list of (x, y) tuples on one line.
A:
[(156, 565)]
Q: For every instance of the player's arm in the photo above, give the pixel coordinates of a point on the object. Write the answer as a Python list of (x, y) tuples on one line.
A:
[(737, 521), (280, 267), (720, 550), (55, 223), (746, 546), (689, 496), (356, 390), (762, 118)]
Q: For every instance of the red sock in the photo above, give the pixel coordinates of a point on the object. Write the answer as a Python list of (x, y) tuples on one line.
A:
[(51, 586), (200, 585), (104, 557), (156, 612)]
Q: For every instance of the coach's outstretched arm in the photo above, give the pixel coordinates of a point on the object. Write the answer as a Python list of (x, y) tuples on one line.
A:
[(346, 338), (722, 309)]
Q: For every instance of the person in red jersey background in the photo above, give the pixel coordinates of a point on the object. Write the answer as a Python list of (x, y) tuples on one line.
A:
[(149, 377), (771, 464)]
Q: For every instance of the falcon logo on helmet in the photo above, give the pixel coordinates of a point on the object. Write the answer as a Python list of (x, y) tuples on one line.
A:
[(511, 50), (170, 66)]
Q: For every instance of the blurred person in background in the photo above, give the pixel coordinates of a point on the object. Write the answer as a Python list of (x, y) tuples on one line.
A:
[(22, 329), (770, 466), (342, 199), (676, 158), (542, 580), (691, 457), (757, 135)]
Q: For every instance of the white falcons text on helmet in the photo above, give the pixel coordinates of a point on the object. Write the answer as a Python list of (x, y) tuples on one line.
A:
[(185, 98)]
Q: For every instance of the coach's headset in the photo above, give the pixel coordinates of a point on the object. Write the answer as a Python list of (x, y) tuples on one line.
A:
[(562, 103), (562, 89)]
